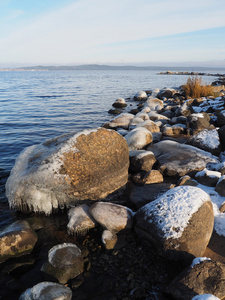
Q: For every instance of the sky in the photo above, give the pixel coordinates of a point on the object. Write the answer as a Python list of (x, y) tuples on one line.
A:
[(137, 32)]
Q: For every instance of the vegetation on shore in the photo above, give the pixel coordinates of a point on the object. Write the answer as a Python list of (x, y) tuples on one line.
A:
[(195, 88)]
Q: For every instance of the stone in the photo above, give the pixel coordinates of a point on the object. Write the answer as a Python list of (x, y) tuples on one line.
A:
[(119, 103), (185, 109), (177, 159), (140, 96), (109, 239), (198, 121), (65, 262), (47, 290), (143, 115), (221, 132), (220, 167), (89, 165), (150, 125), (121, 121), (152, 176), (155, 116), (222, 207), (207, 140), (205, 297), (138, 138), (178, 225), (141, 195), (167, 130), (220, 187), (179, 129), (221, 118), (154, 104), (166, 93), (207, 177), (187, 180), (80, 221), (16, 240), (141, 160), (207, 277), (112, 216)]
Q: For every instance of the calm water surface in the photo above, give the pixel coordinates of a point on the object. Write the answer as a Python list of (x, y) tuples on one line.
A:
[(35, 106)]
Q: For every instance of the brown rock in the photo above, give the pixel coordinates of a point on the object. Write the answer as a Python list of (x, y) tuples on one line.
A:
[(16, 240), (153, 176), (141, 160), (87, 166), (207, 277)]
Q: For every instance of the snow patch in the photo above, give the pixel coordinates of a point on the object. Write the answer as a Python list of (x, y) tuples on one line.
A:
[(173, 210), (198, 260), (211, 174), (205, 297), (208, 137)]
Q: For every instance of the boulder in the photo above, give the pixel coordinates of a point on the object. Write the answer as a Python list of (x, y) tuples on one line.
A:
[(47, 290), (221, 132), (150, 177), (207, 177), (65, 262), (177, 159), (155, 116), (112, 217), (207, 277), (154, 104), (141, 160), (119, 103), (16, 240), (143, 115), (109, 239), (140, 96), (205, 297), (197, 122), (138, 138), (121, 121), (166, 93), (80, 221), (220, 167), (187, 180), (150, 125), (221, 118), (207, 140), (64, 170), (179, 224)]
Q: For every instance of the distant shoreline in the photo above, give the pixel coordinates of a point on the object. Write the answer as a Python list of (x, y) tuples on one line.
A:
[(95, 67)]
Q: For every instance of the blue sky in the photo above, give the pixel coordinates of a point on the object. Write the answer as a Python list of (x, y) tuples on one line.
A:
[(112, 32)]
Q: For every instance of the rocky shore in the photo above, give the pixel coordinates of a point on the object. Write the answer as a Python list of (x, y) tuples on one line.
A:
[(131, 210)]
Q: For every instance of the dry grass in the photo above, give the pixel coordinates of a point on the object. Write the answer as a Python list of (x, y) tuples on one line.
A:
[(194, 88)]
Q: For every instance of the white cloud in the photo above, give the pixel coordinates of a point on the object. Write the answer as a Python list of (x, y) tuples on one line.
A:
[(76, 32)]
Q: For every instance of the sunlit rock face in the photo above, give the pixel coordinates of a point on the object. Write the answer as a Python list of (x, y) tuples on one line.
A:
[(88, 165)]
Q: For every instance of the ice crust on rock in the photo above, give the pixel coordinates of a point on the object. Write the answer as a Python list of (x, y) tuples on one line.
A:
[(198, 260), (209, 138), (47, 290), (56, 261), (28, 161), (173, 210)]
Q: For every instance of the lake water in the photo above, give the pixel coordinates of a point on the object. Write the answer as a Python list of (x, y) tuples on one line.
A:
[(38, 105)]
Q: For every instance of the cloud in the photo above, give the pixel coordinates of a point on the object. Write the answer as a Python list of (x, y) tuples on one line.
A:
[(79, 31)]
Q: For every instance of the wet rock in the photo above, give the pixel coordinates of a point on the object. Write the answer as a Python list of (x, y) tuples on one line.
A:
[(207, 140), (61, 171), (115, 111), (177, 159), (65, 262), (206, 277), (80, 221), (141, 160), (119, 103), (138, 138), (112, 216), (178, 224), (46, 291), (207, 177), (16, 240)]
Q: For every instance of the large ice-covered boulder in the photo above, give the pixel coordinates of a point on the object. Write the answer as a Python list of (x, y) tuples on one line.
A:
[(177, 159), (88, 165), (178, 224)]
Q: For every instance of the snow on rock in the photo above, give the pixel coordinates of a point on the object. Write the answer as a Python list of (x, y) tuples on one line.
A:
[(47, 290), (121, 121), (179, 221), (207, 177), (138, 138), (141, 95), (198, 260), (119, 103), (61, 171), (205, 297)]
